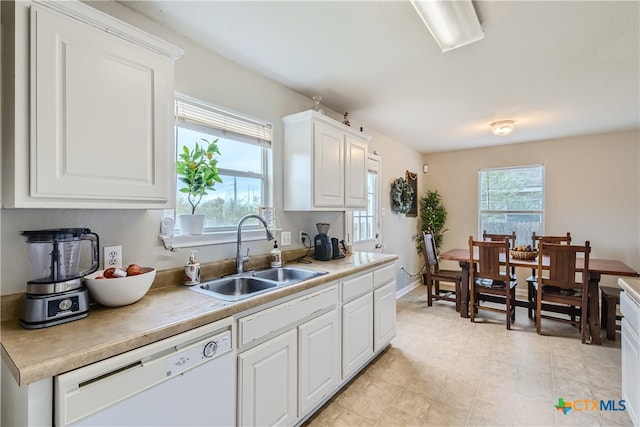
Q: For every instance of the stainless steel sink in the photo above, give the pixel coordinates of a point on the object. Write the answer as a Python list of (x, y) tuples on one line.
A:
[(287, 274), (246, 285), (235, 288)]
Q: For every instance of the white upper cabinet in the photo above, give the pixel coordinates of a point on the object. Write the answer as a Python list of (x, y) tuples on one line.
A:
[(355, 180), (328, 166), (98, 131), (325, 164)]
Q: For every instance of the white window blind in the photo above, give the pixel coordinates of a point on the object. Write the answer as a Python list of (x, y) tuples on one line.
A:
[(193, 114)]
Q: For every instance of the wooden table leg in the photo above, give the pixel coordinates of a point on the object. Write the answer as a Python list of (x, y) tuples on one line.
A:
[(464, 292), (594, 308)]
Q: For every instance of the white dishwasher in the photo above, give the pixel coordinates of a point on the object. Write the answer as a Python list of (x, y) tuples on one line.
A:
[(185, 380)]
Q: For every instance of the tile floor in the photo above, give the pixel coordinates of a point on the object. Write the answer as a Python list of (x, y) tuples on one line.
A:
[(442, 370)]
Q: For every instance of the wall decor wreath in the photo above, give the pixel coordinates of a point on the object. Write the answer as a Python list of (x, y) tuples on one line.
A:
[(401, 196)]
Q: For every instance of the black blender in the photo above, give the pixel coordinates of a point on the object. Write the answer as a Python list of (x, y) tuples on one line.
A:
[(55, 293)]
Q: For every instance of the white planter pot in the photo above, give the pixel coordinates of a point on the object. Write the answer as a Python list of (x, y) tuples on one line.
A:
[(191, 224)]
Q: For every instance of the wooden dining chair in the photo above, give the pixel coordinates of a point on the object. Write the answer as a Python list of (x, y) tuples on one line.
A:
[(490, 279), (433, 275), (535, 242), (535, 239), (562, 285), (510, 238)]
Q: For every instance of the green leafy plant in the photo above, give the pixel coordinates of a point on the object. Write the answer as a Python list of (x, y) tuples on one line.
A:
[(198, 171), (433, 215)]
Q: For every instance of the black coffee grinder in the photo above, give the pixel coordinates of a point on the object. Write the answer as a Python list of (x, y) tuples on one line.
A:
[(323, 249)]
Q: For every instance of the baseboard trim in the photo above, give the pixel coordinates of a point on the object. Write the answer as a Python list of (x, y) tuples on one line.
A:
[(408, 288)]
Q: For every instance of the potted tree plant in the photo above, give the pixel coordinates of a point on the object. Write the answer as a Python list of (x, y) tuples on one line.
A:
[(433, 215), (197, 170)]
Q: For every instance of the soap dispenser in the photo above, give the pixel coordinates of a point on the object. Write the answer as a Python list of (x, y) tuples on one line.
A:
[(192, 270), (276, 255)]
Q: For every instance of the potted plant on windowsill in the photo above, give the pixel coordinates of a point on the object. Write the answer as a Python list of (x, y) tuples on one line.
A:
[(197, 170)]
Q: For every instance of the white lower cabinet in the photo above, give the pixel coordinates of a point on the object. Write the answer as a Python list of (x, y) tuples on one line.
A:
[(283, 378), (357, 333), (299, 352), (267, 382), (631, 356), (319, 359), (384, 313), (28, 405)]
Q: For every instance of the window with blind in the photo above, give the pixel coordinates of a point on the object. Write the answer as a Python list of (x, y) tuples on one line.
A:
[(512, 199), (244, 162)]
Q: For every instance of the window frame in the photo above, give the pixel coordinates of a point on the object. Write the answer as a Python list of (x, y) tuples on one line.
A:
[(226, 233), (521, 239), (374, 164)]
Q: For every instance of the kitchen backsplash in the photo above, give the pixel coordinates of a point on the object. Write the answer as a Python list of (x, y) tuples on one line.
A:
[(10, 304)]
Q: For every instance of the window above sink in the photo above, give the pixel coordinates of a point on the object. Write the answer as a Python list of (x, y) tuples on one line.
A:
[(243, 163)]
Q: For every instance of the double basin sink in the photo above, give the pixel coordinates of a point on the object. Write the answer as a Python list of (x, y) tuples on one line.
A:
[(246, 285)]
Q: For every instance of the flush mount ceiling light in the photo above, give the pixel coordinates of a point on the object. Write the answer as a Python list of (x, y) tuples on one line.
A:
[(452, 23), (502, 127)]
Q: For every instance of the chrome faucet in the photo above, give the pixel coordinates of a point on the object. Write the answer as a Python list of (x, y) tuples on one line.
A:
[(240, 259)]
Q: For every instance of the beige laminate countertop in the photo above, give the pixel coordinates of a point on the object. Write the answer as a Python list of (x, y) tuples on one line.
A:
[(631, 286), (33, 355)]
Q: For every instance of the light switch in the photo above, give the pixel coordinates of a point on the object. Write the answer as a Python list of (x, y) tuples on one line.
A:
[(285, 238)]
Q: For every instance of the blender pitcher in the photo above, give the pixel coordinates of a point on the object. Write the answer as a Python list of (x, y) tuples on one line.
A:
[(54, 254)]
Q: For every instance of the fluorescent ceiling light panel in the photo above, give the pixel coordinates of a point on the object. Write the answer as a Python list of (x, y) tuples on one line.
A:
[(453, 23)]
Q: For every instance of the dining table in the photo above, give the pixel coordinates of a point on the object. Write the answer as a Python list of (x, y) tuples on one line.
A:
[(597, 268)]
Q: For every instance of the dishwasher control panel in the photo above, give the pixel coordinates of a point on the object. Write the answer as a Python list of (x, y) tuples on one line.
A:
[(198, 353)]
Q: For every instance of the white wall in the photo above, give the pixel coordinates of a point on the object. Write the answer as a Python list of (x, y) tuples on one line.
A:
[(398, 231), (592, 186), (210, 77)]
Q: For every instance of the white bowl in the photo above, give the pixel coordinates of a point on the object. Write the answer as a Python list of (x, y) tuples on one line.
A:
[(120, 291)]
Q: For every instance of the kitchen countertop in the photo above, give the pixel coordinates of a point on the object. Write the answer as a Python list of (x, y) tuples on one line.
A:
[(631, 286), (33, 355)]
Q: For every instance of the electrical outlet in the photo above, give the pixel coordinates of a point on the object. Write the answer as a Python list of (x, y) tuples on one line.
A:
[(285, 238), (112, 256), (300, 236)]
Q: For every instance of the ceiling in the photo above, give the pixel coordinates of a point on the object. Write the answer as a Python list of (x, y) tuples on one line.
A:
[(558, 68)]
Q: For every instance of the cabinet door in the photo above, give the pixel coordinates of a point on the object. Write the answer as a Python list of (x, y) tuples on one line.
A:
[(267, 383), (384, 315), (357, 334), (355, 195), (319, 360), (631, 371), (328, 164), (101, 115)]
